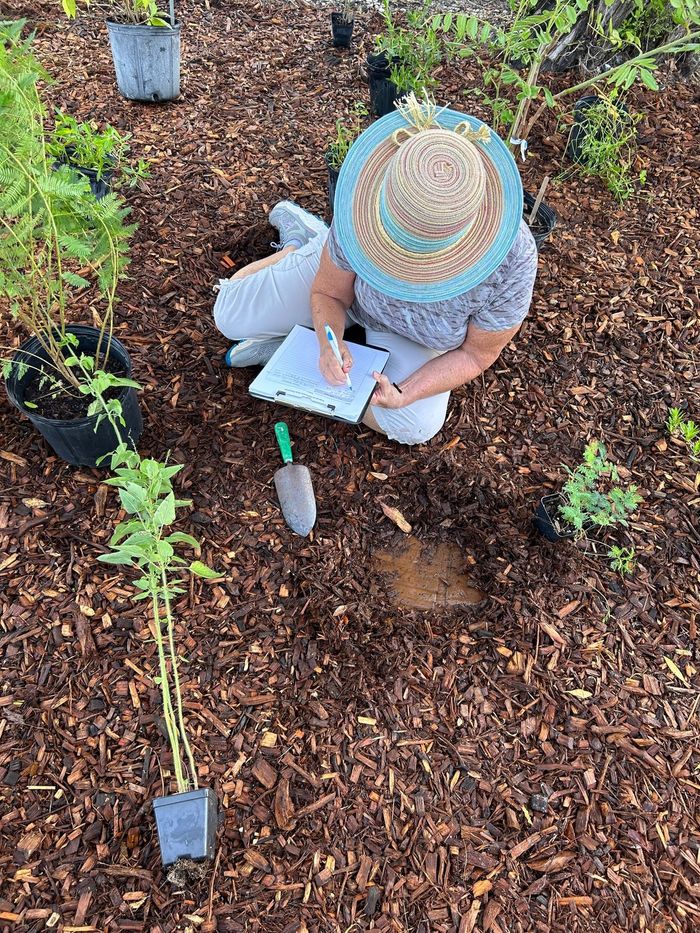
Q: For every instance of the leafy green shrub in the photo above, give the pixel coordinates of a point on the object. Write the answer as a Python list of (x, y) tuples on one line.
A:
[(102, 151), (608, 147), (345, 135), (413, 51), (593, 494), (55, 239), (515, 55)]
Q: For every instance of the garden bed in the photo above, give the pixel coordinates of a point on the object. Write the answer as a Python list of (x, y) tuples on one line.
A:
[(529, 762)]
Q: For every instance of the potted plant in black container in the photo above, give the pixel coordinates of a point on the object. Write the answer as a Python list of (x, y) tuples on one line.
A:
[(403, 60), (342, 23), (145, 46), (96, 154), (187, 820), (592, 497), (52, 235), (339, 147)]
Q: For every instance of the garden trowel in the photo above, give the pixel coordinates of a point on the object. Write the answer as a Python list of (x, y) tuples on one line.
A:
[(294, 488)]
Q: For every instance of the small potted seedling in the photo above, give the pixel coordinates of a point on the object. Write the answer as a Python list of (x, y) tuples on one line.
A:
[(145, 46), (96, 154), (342, 22), (592, 497), (345, 134), (602, 143), (403, 59), (186, 821)]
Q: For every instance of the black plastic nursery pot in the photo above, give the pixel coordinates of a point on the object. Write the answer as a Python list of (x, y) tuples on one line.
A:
[(546, 520), (146, 61), (341, 30), (99, 186), (76, 441), (333, 174), (579, 130), (383, 93), (186, 825), (544, 222)]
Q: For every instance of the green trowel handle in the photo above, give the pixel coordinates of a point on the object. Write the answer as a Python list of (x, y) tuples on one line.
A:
[(283, 439)]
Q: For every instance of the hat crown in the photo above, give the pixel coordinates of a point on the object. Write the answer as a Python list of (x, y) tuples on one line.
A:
[(434, 186)]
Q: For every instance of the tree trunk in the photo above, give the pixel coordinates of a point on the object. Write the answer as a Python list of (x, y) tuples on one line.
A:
[(582, 47)]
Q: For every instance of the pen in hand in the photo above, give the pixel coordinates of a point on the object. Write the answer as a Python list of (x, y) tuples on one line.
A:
[(333, 341)]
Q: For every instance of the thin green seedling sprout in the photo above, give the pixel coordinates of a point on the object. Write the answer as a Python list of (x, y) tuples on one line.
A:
[(687, 430)]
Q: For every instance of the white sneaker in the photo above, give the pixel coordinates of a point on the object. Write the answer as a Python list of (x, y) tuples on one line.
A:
[(295, 225), (254, 351)]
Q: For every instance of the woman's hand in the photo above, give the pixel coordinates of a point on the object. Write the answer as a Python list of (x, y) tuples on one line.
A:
[(330, 367), (386, 395)]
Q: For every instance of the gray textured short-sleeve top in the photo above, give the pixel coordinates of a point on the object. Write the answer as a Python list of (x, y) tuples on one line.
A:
[(501, 301)]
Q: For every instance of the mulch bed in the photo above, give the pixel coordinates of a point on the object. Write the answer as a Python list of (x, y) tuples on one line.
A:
[(528, 763)]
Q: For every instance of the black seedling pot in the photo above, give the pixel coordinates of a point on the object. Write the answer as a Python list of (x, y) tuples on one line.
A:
[(341, 30), (383, 93), (545, 219), (99, 186), (77, 442), (579, 130), (186, 825), (333, 174), (547, 522)]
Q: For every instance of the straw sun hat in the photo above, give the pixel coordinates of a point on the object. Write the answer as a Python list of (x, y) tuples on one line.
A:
[(428, 203)]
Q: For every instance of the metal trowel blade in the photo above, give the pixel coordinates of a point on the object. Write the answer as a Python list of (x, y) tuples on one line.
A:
[(297, 500)]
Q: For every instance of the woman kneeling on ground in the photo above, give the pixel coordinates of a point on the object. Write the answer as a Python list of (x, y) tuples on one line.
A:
[(427, 251)]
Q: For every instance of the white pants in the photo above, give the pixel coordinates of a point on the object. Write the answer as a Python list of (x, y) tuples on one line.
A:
[(269, 302)]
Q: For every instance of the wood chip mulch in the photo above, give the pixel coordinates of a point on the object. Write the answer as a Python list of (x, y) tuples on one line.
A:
[(528, 763)]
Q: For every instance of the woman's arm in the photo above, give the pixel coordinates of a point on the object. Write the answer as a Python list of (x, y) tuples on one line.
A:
[(332, 293), (479, 351)]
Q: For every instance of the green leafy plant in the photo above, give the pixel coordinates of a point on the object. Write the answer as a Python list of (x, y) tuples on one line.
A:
[(679, 426), (145, 543), (622, 560), (593, 494), (346, 11), (136, 12), (345, 135), (648, 23), (85, 146), (608, 146), (55, 239), (413, 51), (525, 45)]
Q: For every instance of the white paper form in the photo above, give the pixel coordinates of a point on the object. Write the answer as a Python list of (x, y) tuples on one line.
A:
[(292, 377)]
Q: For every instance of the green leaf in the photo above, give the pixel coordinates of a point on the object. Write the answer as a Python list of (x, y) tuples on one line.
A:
[(179, 537), (74, 279), (201, 570), (165, 513), (118, 557), (648, 79), (132, 498)]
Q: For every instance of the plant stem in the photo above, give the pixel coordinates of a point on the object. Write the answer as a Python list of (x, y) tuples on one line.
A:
[(649, 57), (176, 678)]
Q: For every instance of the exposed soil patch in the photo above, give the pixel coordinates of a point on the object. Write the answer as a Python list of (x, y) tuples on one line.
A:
[(431, 577)]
